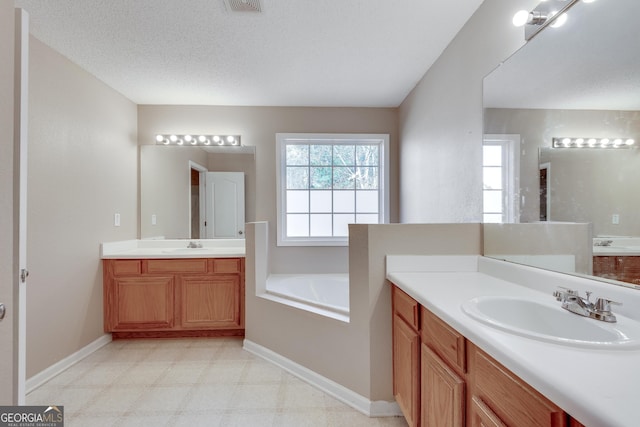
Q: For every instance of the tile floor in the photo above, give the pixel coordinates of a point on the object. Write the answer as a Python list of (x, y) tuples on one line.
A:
[(190, 382)]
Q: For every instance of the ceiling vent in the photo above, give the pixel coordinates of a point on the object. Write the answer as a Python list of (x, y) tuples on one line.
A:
[(243, 5)]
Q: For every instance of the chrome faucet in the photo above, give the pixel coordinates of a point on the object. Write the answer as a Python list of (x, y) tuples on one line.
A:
[(193, 244), (573, 302)]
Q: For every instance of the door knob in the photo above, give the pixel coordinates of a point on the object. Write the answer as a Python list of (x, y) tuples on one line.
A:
[(3, 311)]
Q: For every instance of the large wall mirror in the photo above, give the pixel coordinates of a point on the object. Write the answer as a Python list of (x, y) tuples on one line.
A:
[(170, 198), (578, 80)]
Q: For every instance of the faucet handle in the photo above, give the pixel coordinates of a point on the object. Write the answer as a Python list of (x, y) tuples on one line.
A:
[(603, 305), (561, 293)]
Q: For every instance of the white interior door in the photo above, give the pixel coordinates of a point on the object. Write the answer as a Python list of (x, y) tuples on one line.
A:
[(22, 90), (225, 205), (13, 209)]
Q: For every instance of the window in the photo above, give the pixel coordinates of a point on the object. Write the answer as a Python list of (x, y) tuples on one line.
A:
[(326, 182), (500, 171)]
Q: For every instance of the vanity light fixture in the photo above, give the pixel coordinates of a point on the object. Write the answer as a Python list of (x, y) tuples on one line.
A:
[(565, 142), (193, 140), (547, 13)]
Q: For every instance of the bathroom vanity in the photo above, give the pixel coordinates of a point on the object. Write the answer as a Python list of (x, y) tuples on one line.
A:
[(169, 290), (617, 258), (449, 369)]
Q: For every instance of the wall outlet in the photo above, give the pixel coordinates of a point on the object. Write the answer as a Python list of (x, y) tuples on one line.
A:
[(615, 219), (116, 220), (154, 219)]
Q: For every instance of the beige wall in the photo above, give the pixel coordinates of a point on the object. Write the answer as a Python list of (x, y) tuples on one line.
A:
[(441, 120), (7, 276), (258, 127), (586, 185), (82, 170)]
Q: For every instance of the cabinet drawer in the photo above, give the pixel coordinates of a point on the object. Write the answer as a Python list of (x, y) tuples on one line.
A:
[(510, 398), (444, 340), (227, 265), (192, 265), (128, 267), (406, 307), (482, 415)]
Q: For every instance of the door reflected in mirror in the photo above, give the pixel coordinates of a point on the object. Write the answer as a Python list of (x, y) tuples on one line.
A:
[(174, 199)]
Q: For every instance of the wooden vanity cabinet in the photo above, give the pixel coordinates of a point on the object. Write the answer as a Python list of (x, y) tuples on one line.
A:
[(173, 297), (459, 384), (623, 268), (406, 355)]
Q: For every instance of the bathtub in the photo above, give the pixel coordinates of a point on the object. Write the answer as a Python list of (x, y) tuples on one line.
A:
[(325, 294)]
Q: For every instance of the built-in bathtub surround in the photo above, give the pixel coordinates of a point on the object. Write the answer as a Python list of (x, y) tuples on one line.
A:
[(595, 385), (324, 294), (350, 360)]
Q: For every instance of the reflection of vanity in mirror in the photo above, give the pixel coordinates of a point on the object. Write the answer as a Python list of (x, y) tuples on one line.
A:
[(173, 202), (581, 80)]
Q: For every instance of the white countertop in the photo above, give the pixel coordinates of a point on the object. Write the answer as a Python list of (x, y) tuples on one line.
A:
[(597, 387), (173, 248), (616, 246)]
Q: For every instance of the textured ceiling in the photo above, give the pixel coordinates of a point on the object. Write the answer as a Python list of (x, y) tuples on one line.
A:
[(359, 53)]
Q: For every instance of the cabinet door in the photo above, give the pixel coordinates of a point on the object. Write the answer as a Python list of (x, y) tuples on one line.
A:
[(210, 302), (442, 393), (482, 416), (142, 303), (406, 369), (512, 399)]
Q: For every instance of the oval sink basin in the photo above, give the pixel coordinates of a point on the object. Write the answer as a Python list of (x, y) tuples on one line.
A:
[(547, 321)]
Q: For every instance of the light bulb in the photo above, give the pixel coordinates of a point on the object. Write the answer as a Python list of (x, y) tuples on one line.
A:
[(566, 142), (580, 142), (520, 18), (592, 142), (202, 138), (617, 142), (230, 138), (216, 138), (559, 21), (604, 142), (159, 138), (187, 138), (629, 141), (173, 138)]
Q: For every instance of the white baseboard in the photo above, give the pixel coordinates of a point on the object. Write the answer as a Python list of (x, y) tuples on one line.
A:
[(340, 392), (43, 376)]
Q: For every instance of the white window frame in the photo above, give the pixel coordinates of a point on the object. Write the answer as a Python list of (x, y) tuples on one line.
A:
[(326, 138), (510, 174)]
